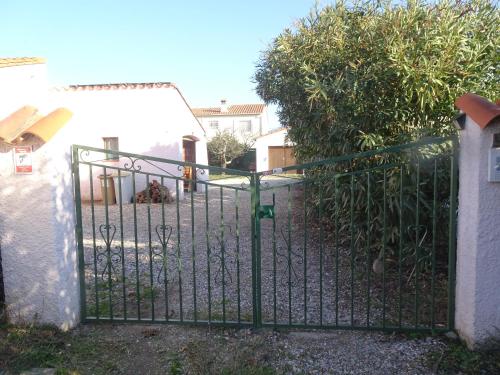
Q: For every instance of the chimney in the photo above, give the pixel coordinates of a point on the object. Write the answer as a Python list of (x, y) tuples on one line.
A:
[(223, 106)]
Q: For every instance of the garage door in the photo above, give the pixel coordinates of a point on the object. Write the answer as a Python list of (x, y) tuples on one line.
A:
[(281, 156)]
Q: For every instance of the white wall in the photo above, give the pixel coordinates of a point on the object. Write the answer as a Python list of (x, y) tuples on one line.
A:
[(262, 144), (146, 121), (37, 235), (477, 317)]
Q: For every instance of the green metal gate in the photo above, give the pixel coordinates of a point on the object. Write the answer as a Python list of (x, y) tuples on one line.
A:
[(364, 241)]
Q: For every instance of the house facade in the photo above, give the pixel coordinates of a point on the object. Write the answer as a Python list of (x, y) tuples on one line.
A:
[(150, 119), (244, 121)]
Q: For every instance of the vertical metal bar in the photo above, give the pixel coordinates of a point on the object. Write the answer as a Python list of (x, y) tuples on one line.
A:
[(384, 244), (289, 256), (253, 219), (305, 253), (209, 284), (351, 247), (237, 217), (120, 198), (179, 260), (337, 242), (193, 246), (274, 266), (368, 247), (452, 244), (136, 241), (400, 251), (321, 246), (417, 239), (92, 210), (223, 255), (433, 255), (257, 254), (79, 232), (150, 244), (108, 244), (164, 249)]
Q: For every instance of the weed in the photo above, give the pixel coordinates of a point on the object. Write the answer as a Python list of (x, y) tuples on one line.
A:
[(456, 358)]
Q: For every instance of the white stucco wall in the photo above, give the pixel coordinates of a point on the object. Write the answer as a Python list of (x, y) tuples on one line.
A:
[(478, 249), (147, 121), (37, 229), (262, 144), (260, 124), (22, 85)]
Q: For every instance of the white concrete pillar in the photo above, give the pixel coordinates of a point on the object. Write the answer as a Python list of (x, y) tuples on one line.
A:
[(477, 314), (37, 234)]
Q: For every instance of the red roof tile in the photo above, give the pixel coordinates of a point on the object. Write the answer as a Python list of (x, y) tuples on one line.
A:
[(232, 110), (482, 111), (6, 62)]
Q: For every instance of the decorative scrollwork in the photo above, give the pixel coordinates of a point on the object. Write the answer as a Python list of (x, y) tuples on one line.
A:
[(160, 254), (84, 154), (219, 256), (107, 254), (131, 166), (286, 255)]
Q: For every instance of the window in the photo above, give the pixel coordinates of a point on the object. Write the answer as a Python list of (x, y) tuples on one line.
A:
[(214, 125), (111, 143), (246, 126)]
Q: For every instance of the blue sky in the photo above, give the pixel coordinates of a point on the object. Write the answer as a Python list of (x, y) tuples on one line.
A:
[(208, 48)]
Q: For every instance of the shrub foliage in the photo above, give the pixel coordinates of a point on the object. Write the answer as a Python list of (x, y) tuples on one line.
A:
[(349, 78)]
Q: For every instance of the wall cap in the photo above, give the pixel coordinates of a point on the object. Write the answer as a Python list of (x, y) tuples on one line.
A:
[(479, 109)]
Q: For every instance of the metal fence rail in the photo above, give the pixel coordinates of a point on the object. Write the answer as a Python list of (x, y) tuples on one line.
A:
[(363, 241)]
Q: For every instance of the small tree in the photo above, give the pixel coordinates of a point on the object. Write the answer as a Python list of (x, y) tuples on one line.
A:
[(225, 147)]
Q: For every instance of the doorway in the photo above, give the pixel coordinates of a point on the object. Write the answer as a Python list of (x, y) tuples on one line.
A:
[(189, 155)]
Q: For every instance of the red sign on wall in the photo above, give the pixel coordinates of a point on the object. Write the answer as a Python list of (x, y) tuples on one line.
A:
[(23, 160)]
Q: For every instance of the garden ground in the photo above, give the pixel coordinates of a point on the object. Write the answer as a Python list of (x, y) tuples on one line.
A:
[(142, 349)]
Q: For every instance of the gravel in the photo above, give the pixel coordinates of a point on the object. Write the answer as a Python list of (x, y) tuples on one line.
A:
[(201, 350)]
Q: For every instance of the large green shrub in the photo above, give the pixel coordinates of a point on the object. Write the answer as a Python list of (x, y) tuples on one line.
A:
[(348, 78)]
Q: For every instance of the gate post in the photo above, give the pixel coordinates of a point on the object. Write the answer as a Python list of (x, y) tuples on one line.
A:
[(37, 216), (477, 311)]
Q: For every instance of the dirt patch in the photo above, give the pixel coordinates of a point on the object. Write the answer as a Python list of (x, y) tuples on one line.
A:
[(142, 349)]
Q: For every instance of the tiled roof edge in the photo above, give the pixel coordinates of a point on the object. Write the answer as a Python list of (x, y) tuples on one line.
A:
[(479, 109), (116, 86)]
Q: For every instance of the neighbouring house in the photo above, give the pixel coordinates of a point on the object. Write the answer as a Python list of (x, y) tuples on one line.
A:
[(273, 150), (153, 119), (244, 121)]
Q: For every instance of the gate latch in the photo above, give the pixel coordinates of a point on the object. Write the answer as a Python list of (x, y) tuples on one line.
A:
[(266, 211)]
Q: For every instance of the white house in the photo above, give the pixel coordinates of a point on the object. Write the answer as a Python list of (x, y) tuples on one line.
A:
[(245, 121), (273, 150), (142, 118), (150, 119)]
